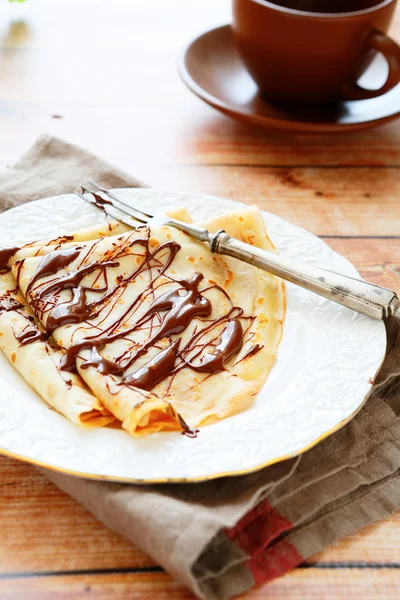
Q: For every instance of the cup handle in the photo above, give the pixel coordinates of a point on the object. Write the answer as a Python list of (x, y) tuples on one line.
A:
[(376, 40)]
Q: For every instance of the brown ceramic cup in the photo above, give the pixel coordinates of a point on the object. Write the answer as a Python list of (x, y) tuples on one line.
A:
[(314, 51)]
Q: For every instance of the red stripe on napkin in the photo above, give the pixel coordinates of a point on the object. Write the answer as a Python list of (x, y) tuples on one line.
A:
[(258, 528), (255, 532), (274, 562)]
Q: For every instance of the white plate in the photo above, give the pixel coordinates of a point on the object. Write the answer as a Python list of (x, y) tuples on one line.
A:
[(326, 362)]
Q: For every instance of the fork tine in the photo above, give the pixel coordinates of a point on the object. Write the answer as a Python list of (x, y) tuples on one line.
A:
[(113, 212), (199, 233), (129, 206), (129, 210)]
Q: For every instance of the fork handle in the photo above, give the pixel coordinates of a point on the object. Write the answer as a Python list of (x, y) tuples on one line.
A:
[(363, 297)]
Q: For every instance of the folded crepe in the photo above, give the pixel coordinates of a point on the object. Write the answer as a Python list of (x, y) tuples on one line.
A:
[(25, 343), (151, 328)]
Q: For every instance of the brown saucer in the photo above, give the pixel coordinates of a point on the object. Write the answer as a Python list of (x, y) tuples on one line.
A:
[(212, 68)]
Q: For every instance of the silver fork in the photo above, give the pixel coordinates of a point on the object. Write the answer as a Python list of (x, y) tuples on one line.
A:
[(363, 297)]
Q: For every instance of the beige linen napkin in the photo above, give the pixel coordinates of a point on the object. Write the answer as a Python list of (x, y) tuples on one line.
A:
[(222, 537)]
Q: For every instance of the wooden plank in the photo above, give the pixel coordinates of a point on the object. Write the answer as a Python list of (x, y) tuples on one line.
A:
[(312, 584), (325, 201), (377, 260), (188, 132), (43, 529), (184, 132)]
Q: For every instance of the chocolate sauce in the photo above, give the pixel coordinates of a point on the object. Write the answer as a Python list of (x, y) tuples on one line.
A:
[(68, 360), (155, 371), (7, 304), (62, 239), (52, 263), (98, 200), (19, 264), (181, 311), (252, 351), (169, 315), (173, 248), (196, 344), (72, 280), (73, 311), (58, 242), (5, 255), (231, 343), (186, 430), (103, 365), (28, 336)]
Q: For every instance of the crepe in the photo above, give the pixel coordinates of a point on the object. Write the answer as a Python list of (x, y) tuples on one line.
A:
[(23, 342), (164, 334)]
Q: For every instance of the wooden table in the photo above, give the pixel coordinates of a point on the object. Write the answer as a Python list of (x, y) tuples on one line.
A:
[(102, 73)]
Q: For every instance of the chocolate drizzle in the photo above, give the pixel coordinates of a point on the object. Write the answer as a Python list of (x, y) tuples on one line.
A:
[(98, 200), (252, 351), (181, 309), (109, 335), (103, 365), (8, 303), (155, 371), (5, 255), (212, 344), (77, 309), (19, 264), (186, 430), (28, 336), (73, 311), (51, 264), (31, 333), (231, 343)]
